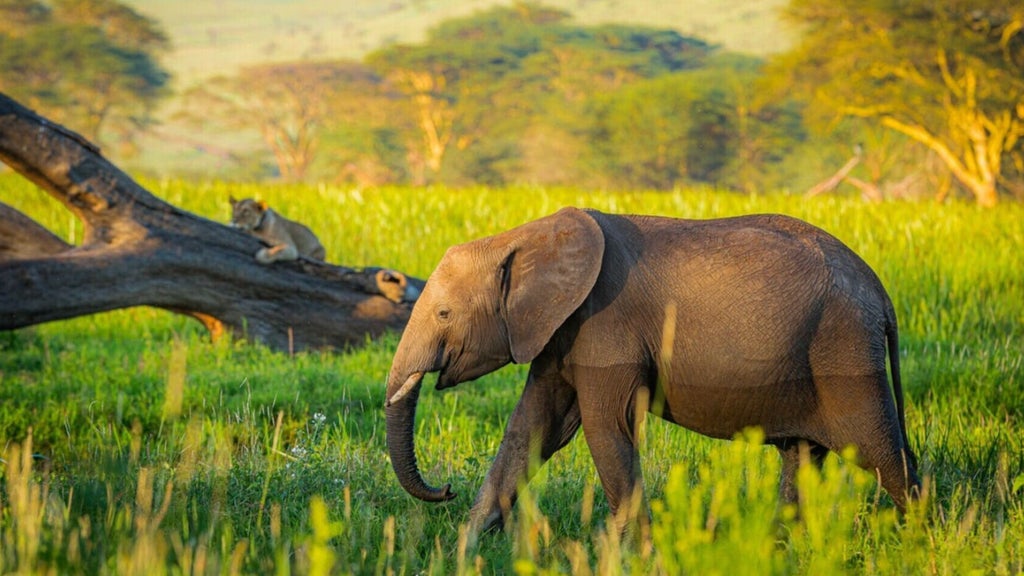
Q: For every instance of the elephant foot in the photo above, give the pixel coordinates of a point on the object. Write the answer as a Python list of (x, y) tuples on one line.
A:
[(485, 521)]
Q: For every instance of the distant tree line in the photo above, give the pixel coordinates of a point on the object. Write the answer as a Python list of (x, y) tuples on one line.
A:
[(912, 98), (517, 94)]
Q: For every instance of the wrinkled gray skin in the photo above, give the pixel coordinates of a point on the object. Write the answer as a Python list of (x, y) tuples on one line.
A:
[(715, 325)]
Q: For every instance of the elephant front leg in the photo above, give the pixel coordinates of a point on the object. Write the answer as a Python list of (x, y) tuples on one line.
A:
[(612, 415), (545, 420)]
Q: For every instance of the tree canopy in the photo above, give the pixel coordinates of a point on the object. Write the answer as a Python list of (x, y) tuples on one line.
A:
[(290, 105), (90, 64), (479, 84), (519, 94), (948, 74)]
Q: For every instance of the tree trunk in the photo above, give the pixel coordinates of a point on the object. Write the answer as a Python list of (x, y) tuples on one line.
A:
[(138, 250), (985, 193)]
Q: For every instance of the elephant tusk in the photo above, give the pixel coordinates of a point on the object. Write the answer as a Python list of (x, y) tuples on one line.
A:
[(414, 379)]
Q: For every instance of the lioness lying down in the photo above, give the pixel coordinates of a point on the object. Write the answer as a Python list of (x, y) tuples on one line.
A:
[(285, 239)]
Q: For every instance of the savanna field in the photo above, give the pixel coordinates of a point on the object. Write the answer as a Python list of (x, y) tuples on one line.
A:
[(131, 444)]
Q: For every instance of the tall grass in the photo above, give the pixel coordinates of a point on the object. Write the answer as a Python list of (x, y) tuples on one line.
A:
[(131, 444)]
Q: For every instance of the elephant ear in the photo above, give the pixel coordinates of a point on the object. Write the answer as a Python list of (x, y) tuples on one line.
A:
[(550, 270)]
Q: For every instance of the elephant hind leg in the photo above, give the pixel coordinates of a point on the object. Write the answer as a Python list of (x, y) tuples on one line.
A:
[(856, 405), (893, 464), (794, 453), (866, 419)]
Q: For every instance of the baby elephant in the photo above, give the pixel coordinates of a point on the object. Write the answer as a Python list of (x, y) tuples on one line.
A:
[(715, 325), (285, 239)]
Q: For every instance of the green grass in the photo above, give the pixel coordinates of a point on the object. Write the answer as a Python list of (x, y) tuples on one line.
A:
[(155, 451)]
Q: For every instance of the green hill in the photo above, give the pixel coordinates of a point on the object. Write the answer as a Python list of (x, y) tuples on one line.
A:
[(212, 38)]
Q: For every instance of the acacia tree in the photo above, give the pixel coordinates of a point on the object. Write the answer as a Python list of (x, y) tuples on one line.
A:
[(449, 80), (432, 108), (288, 104), (91, 64), (946, 73), (477, 87)]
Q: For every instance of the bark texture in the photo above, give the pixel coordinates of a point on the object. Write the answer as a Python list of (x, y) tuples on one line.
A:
[(138, 250)]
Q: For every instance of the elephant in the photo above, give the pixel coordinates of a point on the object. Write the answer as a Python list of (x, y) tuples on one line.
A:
[(715, 325)]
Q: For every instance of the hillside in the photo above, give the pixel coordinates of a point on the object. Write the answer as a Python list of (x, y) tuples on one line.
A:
[(212, 38)]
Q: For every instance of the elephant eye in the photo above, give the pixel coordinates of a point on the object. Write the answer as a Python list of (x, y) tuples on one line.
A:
[(443, 313)]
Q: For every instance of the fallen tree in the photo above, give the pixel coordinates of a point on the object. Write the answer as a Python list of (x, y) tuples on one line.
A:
[(138, 250)]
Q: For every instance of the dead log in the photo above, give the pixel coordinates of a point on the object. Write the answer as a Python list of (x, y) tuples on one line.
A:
[(21, 237), (138, 250)]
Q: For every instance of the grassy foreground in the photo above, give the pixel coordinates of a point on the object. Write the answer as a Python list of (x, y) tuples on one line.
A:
[(131, 444)]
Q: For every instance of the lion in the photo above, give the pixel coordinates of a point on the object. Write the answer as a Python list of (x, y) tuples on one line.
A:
[(396, 286), (285, 239)]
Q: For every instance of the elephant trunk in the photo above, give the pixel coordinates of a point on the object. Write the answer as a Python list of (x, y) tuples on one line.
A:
[(400, 413)]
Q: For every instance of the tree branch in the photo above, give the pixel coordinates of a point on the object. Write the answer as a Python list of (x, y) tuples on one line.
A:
[(21, 237), (924, 137)]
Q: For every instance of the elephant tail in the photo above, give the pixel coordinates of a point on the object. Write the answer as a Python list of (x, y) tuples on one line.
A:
[(893, 341)]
